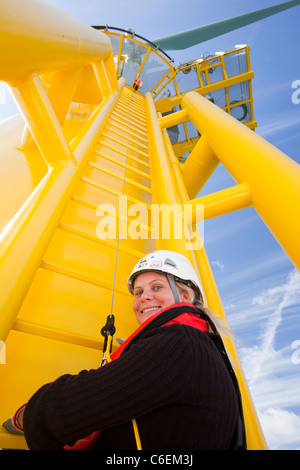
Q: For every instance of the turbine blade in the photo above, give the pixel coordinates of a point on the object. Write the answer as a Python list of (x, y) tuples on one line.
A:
[(198, 35)]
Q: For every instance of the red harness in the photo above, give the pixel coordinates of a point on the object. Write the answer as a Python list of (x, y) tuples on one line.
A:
[(190, 319)]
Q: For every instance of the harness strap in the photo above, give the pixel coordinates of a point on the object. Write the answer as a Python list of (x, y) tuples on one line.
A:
[(160, 319), (173, 287)]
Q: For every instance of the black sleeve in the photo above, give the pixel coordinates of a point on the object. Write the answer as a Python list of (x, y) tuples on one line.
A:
[(146, 377)]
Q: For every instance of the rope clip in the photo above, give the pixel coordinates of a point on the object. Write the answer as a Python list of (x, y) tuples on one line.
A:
[(108, 330)]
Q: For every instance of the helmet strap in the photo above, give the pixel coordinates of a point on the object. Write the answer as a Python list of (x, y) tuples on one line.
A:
[(173, 287)]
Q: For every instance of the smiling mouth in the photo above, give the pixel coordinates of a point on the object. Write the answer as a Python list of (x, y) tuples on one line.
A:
[(150, 309)]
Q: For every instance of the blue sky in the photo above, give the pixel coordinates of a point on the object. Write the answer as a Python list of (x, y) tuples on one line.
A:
[(259, 286)]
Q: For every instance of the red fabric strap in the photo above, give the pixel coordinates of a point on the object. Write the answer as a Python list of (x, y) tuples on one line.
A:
[(190, 319)]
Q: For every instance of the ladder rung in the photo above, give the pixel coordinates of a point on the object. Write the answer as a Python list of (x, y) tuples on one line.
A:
[(122, 129), (32, 328), (124, 218), (94, 238), (128, 101), (119, 120), (131, 118), (123, 109), (124, 154), (82, 277), (109, 190), (123, 144), (122, 164), (134, 125), (128, 137)]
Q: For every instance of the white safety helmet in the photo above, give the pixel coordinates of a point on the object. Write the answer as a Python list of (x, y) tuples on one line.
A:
[(176, 267)]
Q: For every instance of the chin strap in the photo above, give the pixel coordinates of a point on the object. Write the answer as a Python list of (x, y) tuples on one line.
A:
[(173, 287)]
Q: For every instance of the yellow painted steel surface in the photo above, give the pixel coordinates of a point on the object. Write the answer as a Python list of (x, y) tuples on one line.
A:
[(92, 160)]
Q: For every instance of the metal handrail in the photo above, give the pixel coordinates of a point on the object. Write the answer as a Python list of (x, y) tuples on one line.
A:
[(134, 35)]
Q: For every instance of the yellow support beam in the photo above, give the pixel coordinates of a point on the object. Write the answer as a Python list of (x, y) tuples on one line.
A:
[(102, 79), (173, 119), (42, 121), (38, 38), (61, 90), (219, 203), (199, 166)]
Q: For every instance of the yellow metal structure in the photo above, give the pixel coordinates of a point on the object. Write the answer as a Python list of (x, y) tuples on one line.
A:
[(81, 171)]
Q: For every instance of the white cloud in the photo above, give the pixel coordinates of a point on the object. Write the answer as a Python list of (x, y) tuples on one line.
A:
[(219, 264), (272, 375), (278, 384), (249, 277), (281, 428), (279, 297), (263, 93)]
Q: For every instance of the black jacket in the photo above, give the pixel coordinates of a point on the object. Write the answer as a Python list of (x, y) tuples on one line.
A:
[(176, 381)]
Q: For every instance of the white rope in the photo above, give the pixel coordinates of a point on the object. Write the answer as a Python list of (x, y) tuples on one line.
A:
[(121, 207)]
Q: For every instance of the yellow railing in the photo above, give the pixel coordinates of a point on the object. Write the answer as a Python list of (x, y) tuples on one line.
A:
[(35, 39), (225, 77), (212, 73)]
